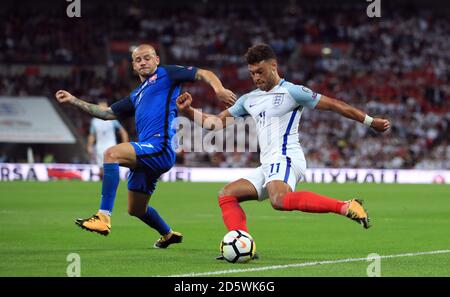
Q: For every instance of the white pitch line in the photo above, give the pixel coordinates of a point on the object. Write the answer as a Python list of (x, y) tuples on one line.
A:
[(296, 265)]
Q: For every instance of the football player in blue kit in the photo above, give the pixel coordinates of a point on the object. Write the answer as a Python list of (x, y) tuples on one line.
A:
[(153, 103)]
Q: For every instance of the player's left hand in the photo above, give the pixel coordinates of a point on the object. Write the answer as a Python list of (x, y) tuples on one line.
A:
[(380, 125), (226, 96)]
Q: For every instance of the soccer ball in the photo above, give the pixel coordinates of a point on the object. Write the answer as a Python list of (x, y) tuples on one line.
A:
[(237, 246)]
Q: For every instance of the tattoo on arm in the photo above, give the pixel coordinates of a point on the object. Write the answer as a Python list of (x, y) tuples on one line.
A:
[(94, 110), (199, 77), (206, 76)]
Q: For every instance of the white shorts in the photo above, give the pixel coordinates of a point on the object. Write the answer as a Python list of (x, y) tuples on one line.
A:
[(282, 168)]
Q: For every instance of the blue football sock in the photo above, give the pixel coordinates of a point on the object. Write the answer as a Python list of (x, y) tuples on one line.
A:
[(154, 220), (109, 187)]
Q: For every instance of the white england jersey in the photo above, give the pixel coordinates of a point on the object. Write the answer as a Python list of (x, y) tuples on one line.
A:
[(277, 114), (105, 133)]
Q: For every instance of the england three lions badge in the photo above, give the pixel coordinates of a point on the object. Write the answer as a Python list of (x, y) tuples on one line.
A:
[(277, 99)]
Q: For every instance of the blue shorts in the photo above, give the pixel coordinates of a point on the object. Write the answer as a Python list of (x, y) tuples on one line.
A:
[(153, 159)]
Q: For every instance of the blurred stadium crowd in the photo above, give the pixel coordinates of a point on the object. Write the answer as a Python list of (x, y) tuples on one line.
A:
[(396, 66)]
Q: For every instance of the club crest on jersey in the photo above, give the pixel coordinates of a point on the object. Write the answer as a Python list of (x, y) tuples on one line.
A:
[(278, 99), (152, 79)]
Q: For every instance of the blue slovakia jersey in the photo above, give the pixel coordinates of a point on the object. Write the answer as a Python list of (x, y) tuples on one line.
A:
[(153, 103)]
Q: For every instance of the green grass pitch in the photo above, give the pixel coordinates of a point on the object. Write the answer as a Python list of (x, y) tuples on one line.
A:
[(37, 232)]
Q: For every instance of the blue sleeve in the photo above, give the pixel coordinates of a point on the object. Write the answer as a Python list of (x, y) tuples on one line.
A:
[(238, 109), (181, 73), (302, 95), (123, 108)]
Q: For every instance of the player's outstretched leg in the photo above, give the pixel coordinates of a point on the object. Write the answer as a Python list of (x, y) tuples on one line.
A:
[(124, 155), (358, 213), (315, 203), (101, 221), (282, 198)]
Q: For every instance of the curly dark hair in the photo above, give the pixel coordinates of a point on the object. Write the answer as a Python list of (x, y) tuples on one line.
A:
[(259, 52)]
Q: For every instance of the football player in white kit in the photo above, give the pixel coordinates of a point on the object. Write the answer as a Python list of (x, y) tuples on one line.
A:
[(103, 134), (276, 106)]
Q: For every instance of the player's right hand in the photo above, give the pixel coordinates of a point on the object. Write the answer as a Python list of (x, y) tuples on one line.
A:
[(184, 101), (64, 96), (380, 125)]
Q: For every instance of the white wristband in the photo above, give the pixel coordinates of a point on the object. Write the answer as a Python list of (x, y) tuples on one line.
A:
[(368, 120)]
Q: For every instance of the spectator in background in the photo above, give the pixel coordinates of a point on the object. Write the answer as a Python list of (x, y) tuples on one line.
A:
[(103, 134)]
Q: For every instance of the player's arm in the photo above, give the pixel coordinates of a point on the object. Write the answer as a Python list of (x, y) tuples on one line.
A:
[(225, 95), (207, 121), (104, 113), (348, 111)]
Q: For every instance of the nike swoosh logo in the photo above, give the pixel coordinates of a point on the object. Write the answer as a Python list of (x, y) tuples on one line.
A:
[(251, 105), (147, 145), (244, 245)]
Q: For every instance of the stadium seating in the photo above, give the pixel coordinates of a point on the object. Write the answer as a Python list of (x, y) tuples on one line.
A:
[(396, 67)]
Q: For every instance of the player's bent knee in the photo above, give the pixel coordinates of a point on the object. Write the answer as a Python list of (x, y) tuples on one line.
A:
[(277, 205), (225, 192), (110, 156), (277, 201)]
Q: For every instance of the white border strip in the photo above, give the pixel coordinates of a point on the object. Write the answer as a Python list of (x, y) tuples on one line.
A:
[(85, 172), (277, 267)]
